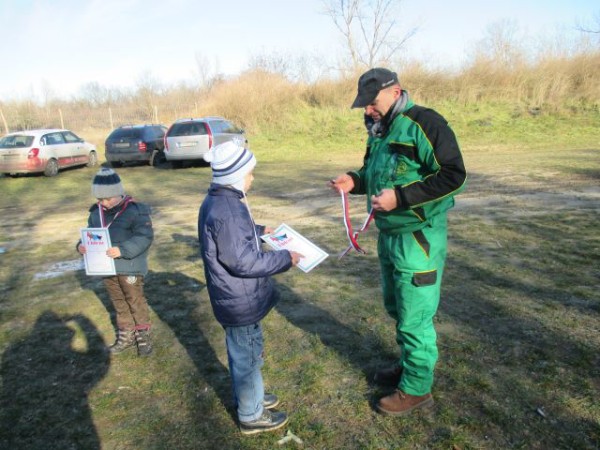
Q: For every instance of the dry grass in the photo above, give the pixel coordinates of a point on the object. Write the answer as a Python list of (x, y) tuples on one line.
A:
[(260, 100)]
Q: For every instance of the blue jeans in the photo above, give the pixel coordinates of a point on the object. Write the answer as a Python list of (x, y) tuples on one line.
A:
[(245, 355)]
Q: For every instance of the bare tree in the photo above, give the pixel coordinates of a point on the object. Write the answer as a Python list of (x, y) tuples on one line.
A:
[(369, 29), (502, 45), (590, 28), (95, 94), (207, 71), (299, 67)]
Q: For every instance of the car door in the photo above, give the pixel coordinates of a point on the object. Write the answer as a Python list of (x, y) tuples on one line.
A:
[(159, 137), (53, 146), (75, 148)]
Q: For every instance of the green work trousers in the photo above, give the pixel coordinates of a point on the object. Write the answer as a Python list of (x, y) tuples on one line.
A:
[(412, 265)]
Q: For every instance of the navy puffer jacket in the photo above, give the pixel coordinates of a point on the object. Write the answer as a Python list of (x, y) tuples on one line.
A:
[(236, 269), (130, 229)]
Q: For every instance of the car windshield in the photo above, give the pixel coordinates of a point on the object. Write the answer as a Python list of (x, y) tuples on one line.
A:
[(126, 133), (16, 141)]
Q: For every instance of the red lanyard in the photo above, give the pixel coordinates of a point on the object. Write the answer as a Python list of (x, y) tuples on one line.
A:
[(126, 201), (353, 235)]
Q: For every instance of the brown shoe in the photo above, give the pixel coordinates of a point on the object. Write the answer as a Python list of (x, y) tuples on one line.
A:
[(388, 377), (401, 404)]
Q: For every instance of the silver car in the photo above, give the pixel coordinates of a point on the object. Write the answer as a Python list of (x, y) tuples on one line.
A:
[(190, 139), (47, 151)]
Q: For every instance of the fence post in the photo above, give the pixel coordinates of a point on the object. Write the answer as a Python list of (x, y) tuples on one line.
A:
[(110, 119), (62, 122), (155, 114), (4, 122)]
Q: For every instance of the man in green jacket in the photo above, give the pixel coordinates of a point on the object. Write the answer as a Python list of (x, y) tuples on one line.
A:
[(412, 169)]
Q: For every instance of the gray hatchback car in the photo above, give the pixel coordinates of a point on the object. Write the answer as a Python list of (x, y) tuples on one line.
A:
[(190, 139)]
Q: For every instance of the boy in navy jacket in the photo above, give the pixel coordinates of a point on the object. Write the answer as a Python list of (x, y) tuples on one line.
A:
[(237, 276)]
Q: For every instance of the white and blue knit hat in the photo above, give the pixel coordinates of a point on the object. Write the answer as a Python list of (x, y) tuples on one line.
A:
[(107, 184), (230, 162)]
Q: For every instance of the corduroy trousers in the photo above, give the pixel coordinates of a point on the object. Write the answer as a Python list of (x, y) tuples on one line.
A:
[(127, 295)]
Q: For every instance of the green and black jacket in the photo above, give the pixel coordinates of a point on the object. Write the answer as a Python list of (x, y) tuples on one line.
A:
[(417, 154)]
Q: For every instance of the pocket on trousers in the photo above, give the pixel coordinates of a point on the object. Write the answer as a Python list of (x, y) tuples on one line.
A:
[(428, 278)]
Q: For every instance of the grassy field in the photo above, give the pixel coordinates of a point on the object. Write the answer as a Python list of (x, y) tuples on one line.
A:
[(518, 325)]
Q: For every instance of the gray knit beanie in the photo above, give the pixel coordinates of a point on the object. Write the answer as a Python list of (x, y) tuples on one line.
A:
[(230, 162), (107, 184)]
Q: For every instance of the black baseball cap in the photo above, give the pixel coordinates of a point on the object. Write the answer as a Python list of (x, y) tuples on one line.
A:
[(370, 83)]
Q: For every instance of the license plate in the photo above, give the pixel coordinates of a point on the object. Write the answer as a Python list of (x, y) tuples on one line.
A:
[(187, 144), (122, 145)]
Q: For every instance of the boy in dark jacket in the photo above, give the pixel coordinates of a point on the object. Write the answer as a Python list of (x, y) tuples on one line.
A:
[(130, 229), (237, 276)]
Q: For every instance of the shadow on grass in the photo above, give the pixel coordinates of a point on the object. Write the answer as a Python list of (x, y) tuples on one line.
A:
[(96, 285), (174, 298), (45, 384), (191, 242), (361, 348), (524, 378)]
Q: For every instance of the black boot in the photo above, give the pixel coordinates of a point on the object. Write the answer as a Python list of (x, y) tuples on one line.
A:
[(144, 343), (125, 340)]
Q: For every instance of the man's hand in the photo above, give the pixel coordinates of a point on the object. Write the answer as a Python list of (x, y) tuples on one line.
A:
[(385, 201), (81, 249), (296, 257), (343, 183)]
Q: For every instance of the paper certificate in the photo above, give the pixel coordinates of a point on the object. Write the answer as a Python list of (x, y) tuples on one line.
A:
[(286, 238), (97, 242)]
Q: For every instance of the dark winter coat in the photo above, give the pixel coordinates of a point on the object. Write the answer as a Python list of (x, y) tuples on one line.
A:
[(131, 231), (237, 270)]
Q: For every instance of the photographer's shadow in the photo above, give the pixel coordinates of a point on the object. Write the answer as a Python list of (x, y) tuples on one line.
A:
[(174, 297), (45, 385), (96, 285)]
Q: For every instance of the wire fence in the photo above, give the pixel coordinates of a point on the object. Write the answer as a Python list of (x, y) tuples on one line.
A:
[(93, 124), (33, 117)]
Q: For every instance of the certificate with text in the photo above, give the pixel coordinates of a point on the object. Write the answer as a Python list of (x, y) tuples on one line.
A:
[(286, 238), (97, 242)]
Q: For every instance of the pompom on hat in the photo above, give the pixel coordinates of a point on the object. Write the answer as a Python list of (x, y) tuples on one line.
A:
[(230, 163), (107, 184)]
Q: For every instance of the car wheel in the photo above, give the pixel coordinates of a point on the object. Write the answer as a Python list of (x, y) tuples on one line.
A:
[(92, 159), (51, 169), (157, 159)]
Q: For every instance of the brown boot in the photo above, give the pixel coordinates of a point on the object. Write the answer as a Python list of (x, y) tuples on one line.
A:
[(400, 404), (388, 377), (144, 343), (125, 340)]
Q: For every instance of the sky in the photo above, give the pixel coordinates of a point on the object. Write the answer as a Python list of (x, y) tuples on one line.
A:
[(58, 46)]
